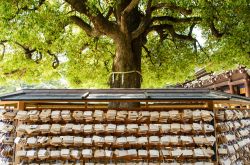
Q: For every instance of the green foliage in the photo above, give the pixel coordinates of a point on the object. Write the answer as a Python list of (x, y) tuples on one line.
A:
[(171, 61), (233, 49), (87, 62)]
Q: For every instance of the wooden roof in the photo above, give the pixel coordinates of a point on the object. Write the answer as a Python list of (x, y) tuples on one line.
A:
[(118, 94), (205, 79)]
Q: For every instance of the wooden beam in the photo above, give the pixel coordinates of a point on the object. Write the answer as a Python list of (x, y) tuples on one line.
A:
[(237, 102), (231, 89), (8, 102), (225, 83), (241, 81), (20, 105), (247, 86)]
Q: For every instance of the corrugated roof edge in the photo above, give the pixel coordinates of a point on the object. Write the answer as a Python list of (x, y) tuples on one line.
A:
[(232, 96), (83, 93), (116, 90), (12, 94), (112, 90)]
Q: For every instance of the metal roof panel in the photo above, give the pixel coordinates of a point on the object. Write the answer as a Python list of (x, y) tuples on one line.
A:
[(117, 94)]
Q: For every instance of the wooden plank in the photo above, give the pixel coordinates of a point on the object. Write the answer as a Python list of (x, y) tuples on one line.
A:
[(247, 86), (87, 106), (200, 99), (8, 102), (225, 83), (237, 82), (211, 107), (20, 106), (231, 102)]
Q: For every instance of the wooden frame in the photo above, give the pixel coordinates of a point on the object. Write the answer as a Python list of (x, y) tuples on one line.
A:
[(148, 104)]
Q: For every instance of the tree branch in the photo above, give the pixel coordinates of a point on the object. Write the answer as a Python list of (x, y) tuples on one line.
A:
[(125, 13), (191, 29), (201, 48), (110, 11), (28, 51), (26, 8), (4, 48), (106, 63), (12, 72), (56, 61), (39, 57), (170, 6), (79, 6), (86, 27), (129, 8), (148, 54), (101, 24), (214, 31), (141, 28), (171, 30), (145, 22), (176, 20)]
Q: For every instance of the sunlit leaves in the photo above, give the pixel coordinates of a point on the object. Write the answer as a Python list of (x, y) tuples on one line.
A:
[(87, 62), (168, 60)]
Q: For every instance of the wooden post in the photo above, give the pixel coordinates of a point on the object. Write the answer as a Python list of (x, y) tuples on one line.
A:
[(211, 107), (231, 89), (20, 106), (247, 86)]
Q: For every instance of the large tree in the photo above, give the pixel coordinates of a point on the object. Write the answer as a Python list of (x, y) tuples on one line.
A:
[(123, 41)]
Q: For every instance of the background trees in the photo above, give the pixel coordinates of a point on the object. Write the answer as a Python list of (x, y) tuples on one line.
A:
[(120, 43)]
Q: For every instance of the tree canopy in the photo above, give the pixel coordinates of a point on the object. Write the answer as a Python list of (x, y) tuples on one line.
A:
[(77, 40)]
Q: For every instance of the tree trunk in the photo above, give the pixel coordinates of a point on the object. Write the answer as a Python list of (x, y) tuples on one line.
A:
[(126, 70), (127, 65)]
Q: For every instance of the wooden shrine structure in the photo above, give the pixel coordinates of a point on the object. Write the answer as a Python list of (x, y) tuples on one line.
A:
[(171, 126), (233, 82)]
